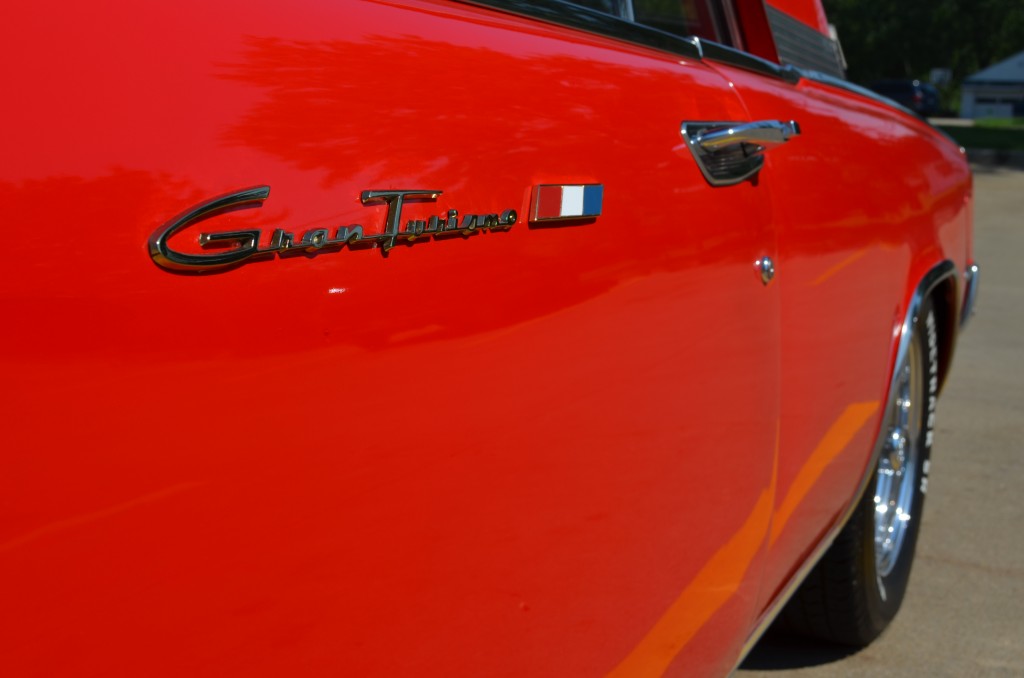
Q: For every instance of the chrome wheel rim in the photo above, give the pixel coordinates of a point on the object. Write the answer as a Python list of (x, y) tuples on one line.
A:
[(898, 466)]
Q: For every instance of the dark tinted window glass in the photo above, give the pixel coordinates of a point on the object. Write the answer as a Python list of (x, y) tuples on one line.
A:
[(612, 7), (682, 17)]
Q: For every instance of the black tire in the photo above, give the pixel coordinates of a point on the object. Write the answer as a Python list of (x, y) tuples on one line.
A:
[(857, 587)]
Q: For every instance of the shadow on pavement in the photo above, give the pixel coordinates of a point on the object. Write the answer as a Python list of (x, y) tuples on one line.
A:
[(779, 651)]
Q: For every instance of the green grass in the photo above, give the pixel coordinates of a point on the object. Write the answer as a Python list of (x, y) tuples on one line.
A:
[(1000, 138), (1000, 122)]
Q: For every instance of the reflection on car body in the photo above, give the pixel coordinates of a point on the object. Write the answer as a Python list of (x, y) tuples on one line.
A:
[(920, 97)]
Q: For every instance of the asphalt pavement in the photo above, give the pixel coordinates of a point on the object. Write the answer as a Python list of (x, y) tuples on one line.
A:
[(964, 612)]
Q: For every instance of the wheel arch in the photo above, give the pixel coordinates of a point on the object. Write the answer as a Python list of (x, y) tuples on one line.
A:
[(939, 284), (945, 303)]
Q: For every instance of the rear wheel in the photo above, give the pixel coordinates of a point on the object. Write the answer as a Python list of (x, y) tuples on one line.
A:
[(856, 589)]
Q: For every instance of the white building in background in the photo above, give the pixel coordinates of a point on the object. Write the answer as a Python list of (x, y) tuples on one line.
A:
[(996, 92)]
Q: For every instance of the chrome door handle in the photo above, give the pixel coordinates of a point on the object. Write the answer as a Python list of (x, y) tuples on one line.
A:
[(729, 152), (764, 134)]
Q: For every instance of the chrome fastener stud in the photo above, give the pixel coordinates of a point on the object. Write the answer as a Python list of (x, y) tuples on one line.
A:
[(766, 268)]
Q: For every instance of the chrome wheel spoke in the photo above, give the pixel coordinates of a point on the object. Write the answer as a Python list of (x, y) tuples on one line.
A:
[(898, 464)]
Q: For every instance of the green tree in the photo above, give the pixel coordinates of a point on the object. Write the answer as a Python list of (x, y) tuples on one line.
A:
[(908, 38)]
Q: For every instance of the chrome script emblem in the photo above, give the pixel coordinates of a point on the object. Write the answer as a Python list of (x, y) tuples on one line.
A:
[(244, 245)]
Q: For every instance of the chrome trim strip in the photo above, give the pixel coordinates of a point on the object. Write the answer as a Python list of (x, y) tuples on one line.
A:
[(620, 28), (593, 21), (826, 79), (801, 45), (939, 273), (607, 25), (970, 294), (733, 57)]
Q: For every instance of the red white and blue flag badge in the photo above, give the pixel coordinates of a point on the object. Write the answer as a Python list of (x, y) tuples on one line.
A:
[(554, 202)]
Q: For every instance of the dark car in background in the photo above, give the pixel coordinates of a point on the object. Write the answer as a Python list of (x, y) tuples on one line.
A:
[(918, 96)]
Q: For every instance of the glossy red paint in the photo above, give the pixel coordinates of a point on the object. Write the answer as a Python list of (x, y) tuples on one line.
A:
[(838, 253), (809, 12), (559, 450)]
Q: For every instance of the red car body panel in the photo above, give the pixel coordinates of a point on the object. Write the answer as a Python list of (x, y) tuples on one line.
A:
[(844, 254), (589, 448), (809, 12)]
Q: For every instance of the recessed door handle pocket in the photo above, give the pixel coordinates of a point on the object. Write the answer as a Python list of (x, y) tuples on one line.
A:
[(729, 152)]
